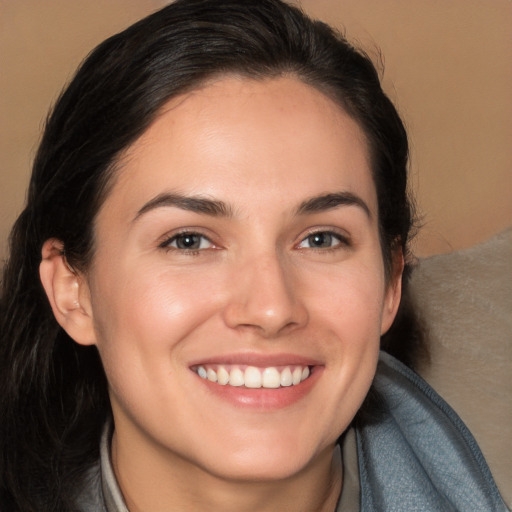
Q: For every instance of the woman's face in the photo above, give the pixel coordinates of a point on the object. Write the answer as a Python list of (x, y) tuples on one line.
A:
[(240, 243)]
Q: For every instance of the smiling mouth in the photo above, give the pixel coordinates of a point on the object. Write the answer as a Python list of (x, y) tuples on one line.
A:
[(253, 377)]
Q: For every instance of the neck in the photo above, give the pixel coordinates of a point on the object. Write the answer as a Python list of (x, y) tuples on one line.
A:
[(159, 484)]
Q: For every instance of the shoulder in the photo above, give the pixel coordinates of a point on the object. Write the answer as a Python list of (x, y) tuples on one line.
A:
[(90, 494), (420, 455)]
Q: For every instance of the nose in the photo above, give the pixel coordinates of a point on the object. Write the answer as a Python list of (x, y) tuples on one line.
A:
[(265, 298)]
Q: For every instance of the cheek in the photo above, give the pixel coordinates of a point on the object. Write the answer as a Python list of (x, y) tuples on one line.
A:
[(350, 297), (142, 321), (150, 299), (348, 309)]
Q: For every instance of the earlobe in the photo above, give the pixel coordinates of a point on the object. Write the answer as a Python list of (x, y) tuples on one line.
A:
[(393, 293), (67, 292)]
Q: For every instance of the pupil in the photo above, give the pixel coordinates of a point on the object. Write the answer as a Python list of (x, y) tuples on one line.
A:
[(320, 239), (187, 241)]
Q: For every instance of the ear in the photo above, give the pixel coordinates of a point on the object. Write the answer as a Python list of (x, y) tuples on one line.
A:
[(68, 293), (393, 292)]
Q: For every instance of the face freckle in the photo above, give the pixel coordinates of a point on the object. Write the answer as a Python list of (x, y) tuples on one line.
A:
[(240, 241)]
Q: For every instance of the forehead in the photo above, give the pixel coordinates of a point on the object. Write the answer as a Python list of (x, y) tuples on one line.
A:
[(236, 134)]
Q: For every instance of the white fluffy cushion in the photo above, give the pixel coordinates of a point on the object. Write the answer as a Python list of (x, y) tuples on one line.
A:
[(465, 299)]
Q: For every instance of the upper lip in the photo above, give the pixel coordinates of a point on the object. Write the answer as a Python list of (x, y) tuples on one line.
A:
[(258, 360)]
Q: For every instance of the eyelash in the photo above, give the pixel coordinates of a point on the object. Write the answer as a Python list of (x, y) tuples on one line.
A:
[(343, 241), (167, 243)]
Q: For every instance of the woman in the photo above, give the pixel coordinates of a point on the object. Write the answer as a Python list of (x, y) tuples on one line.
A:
[(219, 221)]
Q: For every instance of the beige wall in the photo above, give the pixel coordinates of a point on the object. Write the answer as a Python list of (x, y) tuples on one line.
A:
[(447, 66)]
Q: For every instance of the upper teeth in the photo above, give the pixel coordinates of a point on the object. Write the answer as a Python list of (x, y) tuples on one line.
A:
[(254, 377)]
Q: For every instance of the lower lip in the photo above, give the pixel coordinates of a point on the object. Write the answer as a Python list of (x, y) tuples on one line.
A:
[(264, 398)]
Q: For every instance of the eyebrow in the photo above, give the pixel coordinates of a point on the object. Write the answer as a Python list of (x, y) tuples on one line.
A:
[(195, 204), (216, 208), (326, 202)]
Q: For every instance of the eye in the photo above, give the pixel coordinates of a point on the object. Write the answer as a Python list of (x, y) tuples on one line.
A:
[(188, 242), (322, 240)]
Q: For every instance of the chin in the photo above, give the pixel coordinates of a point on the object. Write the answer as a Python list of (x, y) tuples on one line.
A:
[(262, 458), (260, 468)]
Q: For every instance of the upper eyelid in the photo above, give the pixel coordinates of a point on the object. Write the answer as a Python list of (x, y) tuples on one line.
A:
[(166, 239), (339, 233), (343, 241), (333, 231), (192, 230)]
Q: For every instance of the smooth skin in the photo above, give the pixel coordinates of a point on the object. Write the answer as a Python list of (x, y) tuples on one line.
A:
[(243, 223)]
